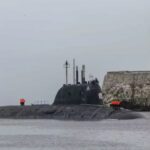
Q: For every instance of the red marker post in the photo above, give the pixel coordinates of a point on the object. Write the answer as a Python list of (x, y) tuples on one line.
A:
[(22, 102)]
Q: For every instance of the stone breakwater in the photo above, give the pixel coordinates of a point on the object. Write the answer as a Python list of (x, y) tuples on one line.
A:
[(66, 112), (132, 86)]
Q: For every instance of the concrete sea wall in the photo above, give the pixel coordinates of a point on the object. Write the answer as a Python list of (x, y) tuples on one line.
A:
[(133, 86)]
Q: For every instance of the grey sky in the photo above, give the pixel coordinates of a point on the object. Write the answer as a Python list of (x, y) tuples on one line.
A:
[(37, 36)]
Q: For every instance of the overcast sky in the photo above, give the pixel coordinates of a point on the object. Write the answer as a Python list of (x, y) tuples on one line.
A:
[(37, 36)]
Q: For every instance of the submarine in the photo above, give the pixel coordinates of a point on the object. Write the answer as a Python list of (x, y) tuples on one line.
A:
[(80, 101)]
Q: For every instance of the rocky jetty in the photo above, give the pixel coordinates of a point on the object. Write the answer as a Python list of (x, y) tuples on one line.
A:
[(66, 112), (131, 86)]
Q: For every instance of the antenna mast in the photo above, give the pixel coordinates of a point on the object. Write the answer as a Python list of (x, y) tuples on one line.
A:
[(66, 66), (74, 71)]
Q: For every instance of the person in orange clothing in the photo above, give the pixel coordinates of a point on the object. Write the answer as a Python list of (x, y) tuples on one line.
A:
[(22, 102), (116, 104)]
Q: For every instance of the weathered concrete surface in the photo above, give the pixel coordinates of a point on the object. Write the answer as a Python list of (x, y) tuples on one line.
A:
[(65, 112), (127, 85)]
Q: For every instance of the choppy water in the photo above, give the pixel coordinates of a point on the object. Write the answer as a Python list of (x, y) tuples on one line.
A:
[(63, 135)]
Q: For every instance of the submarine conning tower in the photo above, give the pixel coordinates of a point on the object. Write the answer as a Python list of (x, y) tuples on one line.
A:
[(79, 93)]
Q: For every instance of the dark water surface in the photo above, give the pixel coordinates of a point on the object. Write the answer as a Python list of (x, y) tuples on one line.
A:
[(69, 135)]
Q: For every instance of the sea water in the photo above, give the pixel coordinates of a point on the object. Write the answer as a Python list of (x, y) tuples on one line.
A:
[(73, 135)]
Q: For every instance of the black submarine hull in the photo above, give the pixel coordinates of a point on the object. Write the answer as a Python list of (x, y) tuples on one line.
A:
[(66, 112)]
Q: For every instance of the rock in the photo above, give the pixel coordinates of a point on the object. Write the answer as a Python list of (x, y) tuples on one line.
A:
[(131, 86)]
